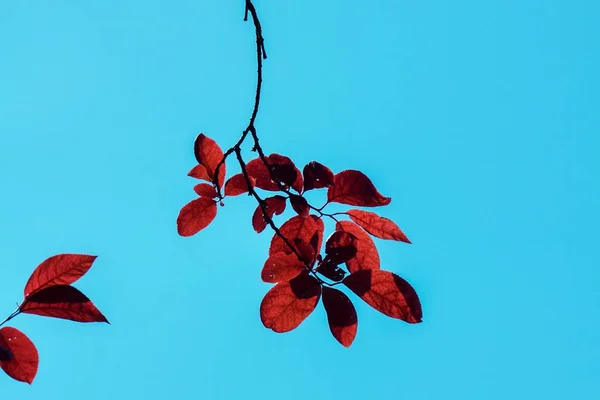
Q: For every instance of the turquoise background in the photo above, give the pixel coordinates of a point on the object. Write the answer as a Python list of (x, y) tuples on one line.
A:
[(479, 118)]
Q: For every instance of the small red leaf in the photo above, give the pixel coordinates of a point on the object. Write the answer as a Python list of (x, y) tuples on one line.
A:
[(64, 302), (317, 176), (275, 206), (299, 204), (209, 154), (367, 256), (237, 185), (377, 226), (356, 189), (61, 269), (341, 315), (199, 172), (386, 292), (281, 267), (23, 365), (297, 228), (206, 190), (287, 304), (283, 170), (196, 215)]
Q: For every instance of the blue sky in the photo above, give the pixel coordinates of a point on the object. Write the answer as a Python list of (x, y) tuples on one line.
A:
[(479, 119)]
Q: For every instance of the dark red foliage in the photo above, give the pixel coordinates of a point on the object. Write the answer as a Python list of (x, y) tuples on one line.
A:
[(299, 204), (275, 206), (196, 215), (287, 304), (386, 292), (341, 247), (205, 190), (23, 363), (356, 189), (199, 172), (281, 267), (62, 269), (282, 171), (367, 256), (296, 229), (317, 176), (237, 185), (62, 301), (209, 154), (377, 226), (341, 315)]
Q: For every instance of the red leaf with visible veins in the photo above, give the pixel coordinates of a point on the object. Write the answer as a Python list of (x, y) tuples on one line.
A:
[(237, 185), (199, 172), (298, 227), (281, 267), (64, 302), (341, 315), (283, 169), (275, 206), (386, 292), (299, 204), (377, 226), (287, 304), (23, 365), (196, 215), (317, 176), (209, 154), (356, 189), (61, 269), (206, 190), (367, 256)]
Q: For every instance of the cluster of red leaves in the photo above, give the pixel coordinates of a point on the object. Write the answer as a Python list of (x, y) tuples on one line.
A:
[(47, 293), (295, 264)]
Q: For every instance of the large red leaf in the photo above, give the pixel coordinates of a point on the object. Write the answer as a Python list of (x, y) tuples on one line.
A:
[(196, 215), (299, 204), (237, 185), (64, 302), (61, 269), (341, 315), (377, 226), (23, 365), (356, 189), (387, 293), (283, 171), (209, 154), (206, 190), (296, 229), (367, 256), (287, 304), (317, 176), (275, 206), (281, 267)]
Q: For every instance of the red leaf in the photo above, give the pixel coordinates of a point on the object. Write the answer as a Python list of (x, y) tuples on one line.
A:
[(61, 269), (196, 215), (64, 302), (206, 190), (24, 363), (287, 304), (387, 293), (275, 206), (298, 227), (377, 226), (341, 247), (199, 172), (356, 189), (281, 267), (317, 176), (209, 154), (299, 204), (237, 185), (283, 170), (367, 256), (341, 315)]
